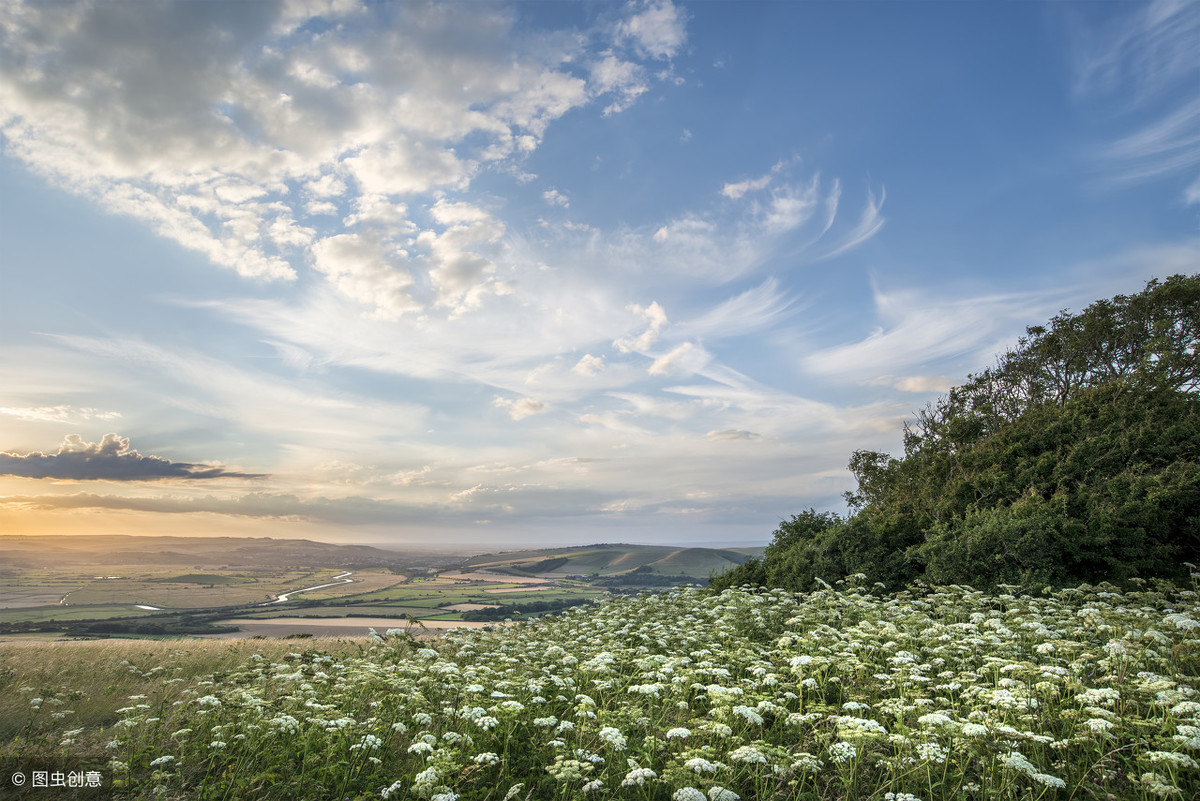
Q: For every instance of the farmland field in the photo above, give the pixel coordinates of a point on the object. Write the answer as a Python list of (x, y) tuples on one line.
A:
[(180, 586)]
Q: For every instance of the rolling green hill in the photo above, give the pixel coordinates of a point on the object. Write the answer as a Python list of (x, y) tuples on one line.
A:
[(613, 560)]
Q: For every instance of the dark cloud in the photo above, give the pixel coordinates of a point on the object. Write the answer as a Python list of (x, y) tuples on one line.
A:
[(110, 459)]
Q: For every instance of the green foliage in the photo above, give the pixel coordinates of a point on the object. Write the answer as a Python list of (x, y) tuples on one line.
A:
[(1073, 460)]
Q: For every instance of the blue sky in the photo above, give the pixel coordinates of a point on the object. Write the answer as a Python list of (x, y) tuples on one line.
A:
[(536, 273)]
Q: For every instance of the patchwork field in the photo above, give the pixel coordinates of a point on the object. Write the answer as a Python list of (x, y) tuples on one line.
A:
[(159, 586)]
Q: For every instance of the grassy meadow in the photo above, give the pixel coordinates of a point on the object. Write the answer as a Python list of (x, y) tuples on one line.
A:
[(843, 693)]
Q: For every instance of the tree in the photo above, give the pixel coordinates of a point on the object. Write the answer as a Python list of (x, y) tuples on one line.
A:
[(1073, 459)]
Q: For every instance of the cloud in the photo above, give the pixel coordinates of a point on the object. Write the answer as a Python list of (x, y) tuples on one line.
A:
[(368, 268), (920, 384), (556, 198), (656, 317), (612, 75), (735, 191), (749, 311), (111, 459), (869, 224), (657, 31), (239, 133), (1147, 61), (732, 434), (520, 408), (58, 414), (588, 365), (685, 359)]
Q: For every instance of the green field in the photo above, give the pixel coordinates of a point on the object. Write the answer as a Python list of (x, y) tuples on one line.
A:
[(194, 582), (607, 560)]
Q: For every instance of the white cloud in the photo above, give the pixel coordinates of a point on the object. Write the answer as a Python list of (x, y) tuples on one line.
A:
[(58, 414), (1147, 60), (870, 223), (920, 384), (735, 190), (685, 359), (624, 78), (203, 119), (520, 408), (588, 365), (656, 317), (556, 198), (752, 310), (658, 31), (367, 268)]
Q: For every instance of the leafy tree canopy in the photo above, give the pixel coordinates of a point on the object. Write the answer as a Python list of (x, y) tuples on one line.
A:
[(1073, 459)]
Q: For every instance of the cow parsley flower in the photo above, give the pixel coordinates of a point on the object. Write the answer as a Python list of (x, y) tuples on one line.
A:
[(638, 777), (613, 737), (842, 752), (721, 794), (687, 794)]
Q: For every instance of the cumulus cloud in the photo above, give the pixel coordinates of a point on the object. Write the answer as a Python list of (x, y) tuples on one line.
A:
[(229, 129), (612, 75), (110, 459), (659, 30), (655, 316), (520, 408), (588, 365)]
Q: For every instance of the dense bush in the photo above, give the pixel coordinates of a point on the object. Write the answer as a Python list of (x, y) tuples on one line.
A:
[(1074, 459)]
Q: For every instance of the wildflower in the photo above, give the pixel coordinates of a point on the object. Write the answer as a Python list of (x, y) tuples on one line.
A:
[(613, 737), (687, 794), (595, 784), (935, 719), (638, 777), (369, 742), (162, 760), (842, 752), (678, 733), (566, 770), (749, 714), (931, 752), (486, 758), (699, 765), (1171, 757), (1158, 785), (749, 755), (721, 794)]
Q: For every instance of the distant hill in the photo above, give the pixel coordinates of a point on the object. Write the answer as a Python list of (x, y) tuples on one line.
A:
[(616, 559), (234, 552)]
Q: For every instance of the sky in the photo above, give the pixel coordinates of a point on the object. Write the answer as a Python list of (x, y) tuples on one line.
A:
[(490, 275)]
